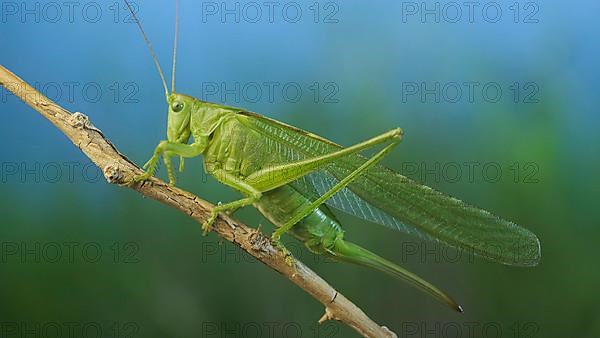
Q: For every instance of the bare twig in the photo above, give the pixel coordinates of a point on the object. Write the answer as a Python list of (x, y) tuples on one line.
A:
[(119, 170)]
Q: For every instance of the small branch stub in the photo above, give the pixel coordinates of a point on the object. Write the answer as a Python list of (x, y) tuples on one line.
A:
[(113, 174), (79, 120), (326, 316)]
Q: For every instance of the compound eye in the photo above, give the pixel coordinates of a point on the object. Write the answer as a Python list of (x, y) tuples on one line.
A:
[(177, 106)]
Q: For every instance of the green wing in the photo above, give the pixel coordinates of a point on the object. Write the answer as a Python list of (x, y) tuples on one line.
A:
[(393, 200)]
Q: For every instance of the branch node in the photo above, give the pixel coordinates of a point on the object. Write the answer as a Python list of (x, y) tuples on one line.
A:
[(113, 174), (79, 120), (255, 235), (326, 316), (391, 333), (259, 242)]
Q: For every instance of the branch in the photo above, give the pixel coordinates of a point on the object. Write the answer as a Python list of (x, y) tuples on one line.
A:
[(119, 170)]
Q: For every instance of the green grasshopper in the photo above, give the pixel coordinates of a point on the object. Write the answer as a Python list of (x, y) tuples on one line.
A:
[(294, 178)]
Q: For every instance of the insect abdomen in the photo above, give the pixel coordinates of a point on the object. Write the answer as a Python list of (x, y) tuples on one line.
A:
[(319, 230)]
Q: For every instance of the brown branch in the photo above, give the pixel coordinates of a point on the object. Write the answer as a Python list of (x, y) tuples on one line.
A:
[(119, 170)]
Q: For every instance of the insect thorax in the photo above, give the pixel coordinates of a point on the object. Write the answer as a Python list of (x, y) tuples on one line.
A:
[(237, 149)]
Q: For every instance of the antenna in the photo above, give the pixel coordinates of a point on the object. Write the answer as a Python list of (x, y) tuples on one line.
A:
[(175, 46), (162, 77)]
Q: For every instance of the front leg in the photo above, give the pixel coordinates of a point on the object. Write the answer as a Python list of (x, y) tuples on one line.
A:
[(150, 166), (168, 149)]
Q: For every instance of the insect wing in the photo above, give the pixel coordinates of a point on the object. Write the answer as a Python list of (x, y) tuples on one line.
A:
[(393, 200)]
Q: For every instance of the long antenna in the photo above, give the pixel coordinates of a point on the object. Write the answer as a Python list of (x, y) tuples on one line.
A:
[(162, 77), (175, 46)]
